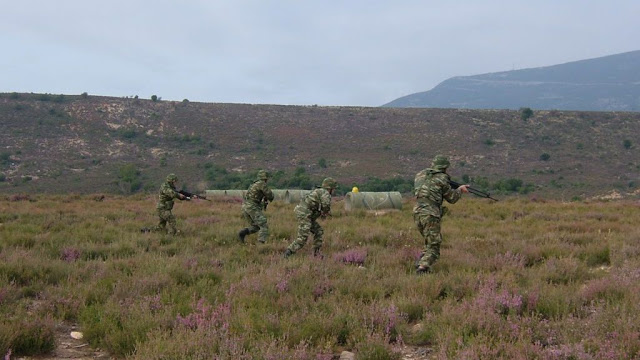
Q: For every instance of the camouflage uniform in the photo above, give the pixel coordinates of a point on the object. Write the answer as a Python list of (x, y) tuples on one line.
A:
[(431, 188), (166, 197), (316, 204), (255, 202)]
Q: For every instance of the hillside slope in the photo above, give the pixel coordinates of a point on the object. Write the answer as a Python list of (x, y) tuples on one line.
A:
[(60, 144), (610, 83)]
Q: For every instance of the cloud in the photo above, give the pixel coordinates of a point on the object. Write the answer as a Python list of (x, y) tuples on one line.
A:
[(294, 52)]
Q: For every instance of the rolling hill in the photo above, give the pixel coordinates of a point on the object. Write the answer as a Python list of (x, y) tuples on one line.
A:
[(89, 144), (610, 83)]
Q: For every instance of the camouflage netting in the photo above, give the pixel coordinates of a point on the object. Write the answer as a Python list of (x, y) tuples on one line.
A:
[(373, 200), (226, 193), (236, 193), (215, 193), (295, 195), (279, 194)]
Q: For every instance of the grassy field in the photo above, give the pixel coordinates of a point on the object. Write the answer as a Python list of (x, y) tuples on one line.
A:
[(517, 279)]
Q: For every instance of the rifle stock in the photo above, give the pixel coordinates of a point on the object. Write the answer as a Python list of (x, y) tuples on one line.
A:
[(473, 191)]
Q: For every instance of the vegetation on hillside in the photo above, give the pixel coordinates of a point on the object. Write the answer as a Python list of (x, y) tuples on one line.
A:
[(516, 279), (63, 143)]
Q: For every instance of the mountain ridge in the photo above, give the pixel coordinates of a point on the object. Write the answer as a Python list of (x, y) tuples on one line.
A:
[(608, 83)]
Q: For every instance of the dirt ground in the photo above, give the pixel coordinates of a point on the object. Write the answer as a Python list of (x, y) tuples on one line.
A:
[(69, 348)]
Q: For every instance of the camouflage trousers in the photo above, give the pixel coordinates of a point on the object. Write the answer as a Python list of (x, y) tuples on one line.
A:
[(306, 225), (254, 216), (429, 227), (166, 218)]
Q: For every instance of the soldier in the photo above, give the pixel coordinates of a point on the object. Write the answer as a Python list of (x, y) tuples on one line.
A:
[(255, 202), (316, 204), (431, 188), (166, 197)]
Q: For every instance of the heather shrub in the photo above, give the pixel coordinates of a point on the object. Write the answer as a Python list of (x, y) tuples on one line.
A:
[(595, 255), (29, 336), (516, 279), (6, 334), (555, 302), (375, 348)]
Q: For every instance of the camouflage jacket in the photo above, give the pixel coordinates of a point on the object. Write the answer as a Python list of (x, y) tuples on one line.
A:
[(257, 193), (167, 194), (431, 187), (315, 204)]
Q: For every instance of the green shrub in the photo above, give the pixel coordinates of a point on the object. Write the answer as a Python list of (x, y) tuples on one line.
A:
[(129, 179), (44, 97), (545, 157), (376, 351), (322, 162), (154, 98), (627, 144), (525, 113), (414, 311), (596, 255), (5, 158), (127, 133), (508, 185), (554, 303), (33, 337)]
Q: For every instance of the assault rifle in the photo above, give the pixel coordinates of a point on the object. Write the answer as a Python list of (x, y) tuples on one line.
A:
[(472, 190), (189, 196)]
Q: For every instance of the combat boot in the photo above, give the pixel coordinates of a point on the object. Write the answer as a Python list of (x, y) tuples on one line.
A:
[(317, 253), (288, 253), (422, 270), (242, 234)]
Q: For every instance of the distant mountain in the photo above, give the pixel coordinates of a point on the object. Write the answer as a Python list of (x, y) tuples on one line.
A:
[(610, 83)]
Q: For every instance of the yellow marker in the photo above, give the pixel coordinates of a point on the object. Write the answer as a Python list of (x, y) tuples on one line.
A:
[(355, 189)]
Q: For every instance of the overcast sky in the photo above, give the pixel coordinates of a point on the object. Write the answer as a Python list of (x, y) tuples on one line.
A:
[(349, 52)]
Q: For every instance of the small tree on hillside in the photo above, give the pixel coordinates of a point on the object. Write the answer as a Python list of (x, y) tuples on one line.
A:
[(525, 113), (129, 179)]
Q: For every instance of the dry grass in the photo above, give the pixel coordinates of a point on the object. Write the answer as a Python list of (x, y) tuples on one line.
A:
[(517, 280)]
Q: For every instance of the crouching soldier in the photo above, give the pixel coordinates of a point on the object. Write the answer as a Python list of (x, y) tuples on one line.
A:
[(255, 202), (316, 204)]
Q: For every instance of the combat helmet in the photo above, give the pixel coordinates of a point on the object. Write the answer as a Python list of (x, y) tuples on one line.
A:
[(329, 183), (263, 175), (172, 178), (440, 162)]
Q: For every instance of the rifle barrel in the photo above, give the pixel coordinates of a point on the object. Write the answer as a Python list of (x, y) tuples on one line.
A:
[(473, 190)]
